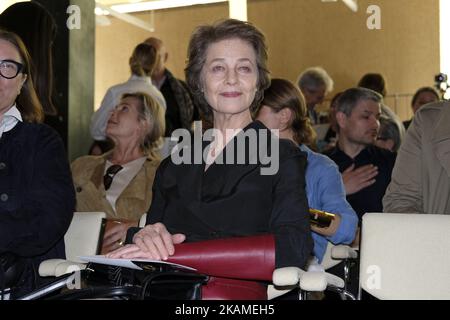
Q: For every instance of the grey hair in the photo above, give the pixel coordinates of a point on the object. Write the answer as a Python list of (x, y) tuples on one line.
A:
[(387, 112), (350, 98), (199, 43), (389, 129), (314, 78)]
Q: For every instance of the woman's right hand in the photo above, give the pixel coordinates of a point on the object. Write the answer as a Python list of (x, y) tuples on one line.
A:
[(151, 242)]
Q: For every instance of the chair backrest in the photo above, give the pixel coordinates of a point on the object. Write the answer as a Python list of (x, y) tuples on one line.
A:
[(405, 256), (82, 237)]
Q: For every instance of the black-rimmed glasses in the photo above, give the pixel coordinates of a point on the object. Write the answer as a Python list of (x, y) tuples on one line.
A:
[(9, 69)]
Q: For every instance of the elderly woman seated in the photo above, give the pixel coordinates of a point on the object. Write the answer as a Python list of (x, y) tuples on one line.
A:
[(214, 199), (120, 181)]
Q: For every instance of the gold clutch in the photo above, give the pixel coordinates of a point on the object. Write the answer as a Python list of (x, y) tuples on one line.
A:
[(320, 219)]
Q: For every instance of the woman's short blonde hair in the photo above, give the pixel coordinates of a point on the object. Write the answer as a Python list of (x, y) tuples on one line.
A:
[(153, 114)]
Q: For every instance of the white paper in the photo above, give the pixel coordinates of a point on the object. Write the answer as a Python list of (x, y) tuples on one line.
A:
[(128, 263)]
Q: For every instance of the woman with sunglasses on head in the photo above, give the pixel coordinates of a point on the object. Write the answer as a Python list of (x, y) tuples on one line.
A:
[(37, 199)]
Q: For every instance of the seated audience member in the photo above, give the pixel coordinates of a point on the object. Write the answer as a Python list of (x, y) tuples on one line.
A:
[(315, 84), (119, 182), (283, 108), (421, 97), (180, 111), (366, 169), (387, 112), (142, 62), (376, 82), (373, 81), (37, 198), (389, 136), (38, 34), (421, 176), (331, 135), (226, 71)]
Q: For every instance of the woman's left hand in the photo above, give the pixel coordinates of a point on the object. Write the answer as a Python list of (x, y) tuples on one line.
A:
[(129, 251), (115, 234)]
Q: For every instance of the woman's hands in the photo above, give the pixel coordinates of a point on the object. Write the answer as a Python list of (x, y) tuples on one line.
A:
[(115, 234), (152, 242)]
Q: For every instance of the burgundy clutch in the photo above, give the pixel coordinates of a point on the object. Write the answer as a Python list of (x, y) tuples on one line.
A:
[(244, 258)]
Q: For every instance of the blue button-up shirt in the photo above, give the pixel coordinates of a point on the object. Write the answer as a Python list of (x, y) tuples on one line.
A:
[(325, 191)]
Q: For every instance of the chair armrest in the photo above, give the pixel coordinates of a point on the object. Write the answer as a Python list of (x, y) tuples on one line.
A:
[(58, 267), (287, 276), (308, 281), (275, 292), (246, 258), (333, 280), (313, 281), (342, 252)]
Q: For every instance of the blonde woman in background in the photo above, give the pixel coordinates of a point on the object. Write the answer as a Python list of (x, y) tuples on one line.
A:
[(120, 181)]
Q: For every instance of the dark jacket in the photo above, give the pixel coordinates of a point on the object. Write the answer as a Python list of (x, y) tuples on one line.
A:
[(236, 200), (37, 198), (180, 107), (370, 198)]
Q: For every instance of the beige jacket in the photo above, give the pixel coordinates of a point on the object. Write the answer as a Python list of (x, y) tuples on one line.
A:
[(421, 176), (87, 172)]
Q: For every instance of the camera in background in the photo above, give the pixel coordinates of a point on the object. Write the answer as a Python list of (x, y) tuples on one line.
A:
[(441, 83)]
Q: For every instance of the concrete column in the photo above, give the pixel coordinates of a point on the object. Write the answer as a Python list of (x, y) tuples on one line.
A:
[(74, 67)]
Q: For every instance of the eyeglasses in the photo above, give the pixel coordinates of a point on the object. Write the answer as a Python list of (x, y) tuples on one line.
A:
[(9, 69)]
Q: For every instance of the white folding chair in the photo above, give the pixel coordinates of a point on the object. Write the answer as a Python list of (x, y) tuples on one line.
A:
[(81, 239), (405, 256)]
